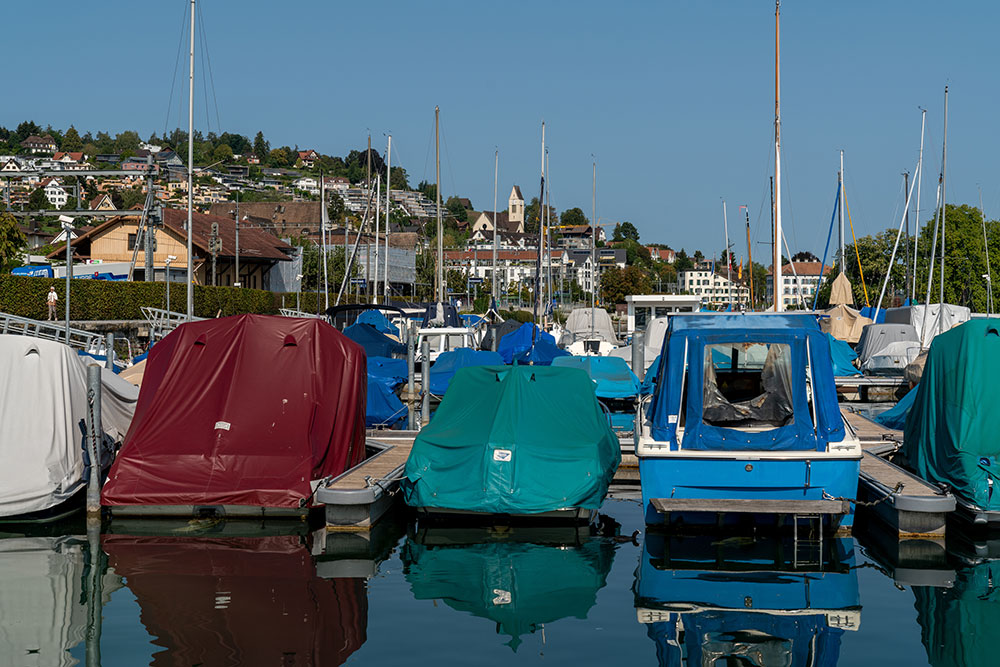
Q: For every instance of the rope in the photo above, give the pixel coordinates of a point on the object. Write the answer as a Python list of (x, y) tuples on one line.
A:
[(847, 207), (863, 503)]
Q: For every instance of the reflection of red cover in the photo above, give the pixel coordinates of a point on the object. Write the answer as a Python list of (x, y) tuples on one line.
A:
[(243, 410), (239, 601)]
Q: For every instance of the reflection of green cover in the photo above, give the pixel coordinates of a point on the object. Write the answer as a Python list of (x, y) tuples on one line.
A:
[(514, 440), (520, 586), (958, 625), (951, 431)]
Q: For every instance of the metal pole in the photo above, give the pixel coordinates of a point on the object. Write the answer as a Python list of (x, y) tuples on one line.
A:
[(944, 205), (388, 206), (190, 242), (69, 275), (638, 353), (906, 219), (411, 342), (593, 251), (437, 188), (425, 381), (729, 264), (536, 302), (109, 351), (779, 302), (916, 229), (95, 595), (168, 287), (322, 222), (840, 210), (95, 433), (236, 250), (496, 171)]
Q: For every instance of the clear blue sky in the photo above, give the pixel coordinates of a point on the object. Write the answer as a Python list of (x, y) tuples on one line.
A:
[(675, 99)]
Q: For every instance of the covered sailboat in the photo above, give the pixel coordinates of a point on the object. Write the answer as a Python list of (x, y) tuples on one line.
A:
[(745, 419), (524, 441), (241, 414), (589, 331), (43, 409), (886, 349)]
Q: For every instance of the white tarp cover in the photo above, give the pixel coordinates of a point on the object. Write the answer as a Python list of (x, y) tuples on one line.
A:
[(892, 359), (843, 323), (578, 326), (43, 400), (951, 316), (652, 343), (877, 337)]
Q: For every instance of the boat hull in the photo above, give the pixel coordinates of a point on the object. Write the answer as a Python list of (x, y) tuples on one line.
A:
[(745, 479)]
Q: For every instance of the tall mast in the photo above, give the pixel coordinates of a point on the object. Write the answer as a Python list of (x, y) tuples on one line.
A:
[(916, 229), (323, 221), (746, 210), (378, 217), (840, 211), (593, 251), (548, 237), (944, 199), (495, 286), (437, 193), (190, 243), (388, 207), (986, 246), (368, 246), (906, 219), (778, 291), (538, 259), (729, 271)]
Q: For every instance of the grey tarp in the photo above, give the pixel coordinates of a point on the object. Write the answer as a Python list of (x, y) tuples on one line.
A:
[(43, 401), (875, 338), (950, 316), (578, 326), (652, 342)]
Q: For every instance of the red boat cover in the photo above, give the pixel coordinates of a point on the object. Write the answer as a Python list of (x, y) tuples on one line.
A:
[(243, 410), (239, 601)]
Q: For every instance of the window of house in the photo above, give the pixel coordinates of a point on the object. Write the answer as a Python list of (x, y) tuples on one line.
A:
[(748, 385)]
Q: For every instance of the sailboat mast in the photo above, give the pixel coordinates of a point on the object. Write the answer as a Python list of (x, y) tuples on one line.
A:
[(986, 246), (944, 201), (548, 236), (840, 211), (495, 287), (323, 222), (593, 251), (368, 246), (729, 271), (916, 228), (746, 211), (779, 305), (437, 195), (541, 229), (388, 207), (190, 183)]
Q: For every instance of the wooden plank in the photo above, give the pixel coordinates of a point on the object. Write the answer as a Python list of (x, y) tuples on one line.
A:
[(748, 506), (376, 467), (890, 475), (869, 431)]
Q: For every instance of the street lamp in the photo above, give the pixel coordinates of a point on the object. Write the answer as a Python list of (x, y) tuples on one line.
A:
[(170, 258), (298, 293), (66, 222)]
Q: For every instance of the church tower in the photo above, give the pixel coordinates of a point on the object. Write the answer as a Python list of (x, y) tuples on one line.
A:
[(515, 208)]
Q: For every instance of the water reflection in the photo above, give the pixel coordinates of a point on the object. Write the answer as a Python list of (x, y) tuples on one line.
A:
[(520, 578), (43, 599), (708, 600), (232, 600)]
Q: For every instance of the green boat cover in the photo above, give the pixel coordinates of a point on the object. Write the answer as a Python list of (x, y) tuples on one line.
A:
[(958, 624), (519, 586), (514, 440), (951, 431)]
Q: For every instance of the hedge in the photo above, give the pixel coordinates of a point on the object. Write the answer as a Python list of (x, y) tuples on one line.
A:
[(114, 300)]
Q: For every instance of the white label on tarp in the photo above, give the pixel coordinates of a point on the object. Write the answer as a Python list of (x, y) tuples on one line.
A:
[(502, 596), (501, 455), (671, 419), (222, 425)]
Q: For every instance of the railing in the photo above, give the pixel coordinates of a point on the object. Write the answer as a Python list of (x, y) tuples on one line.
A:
[(291, 312), (50, 330), (163, 321)]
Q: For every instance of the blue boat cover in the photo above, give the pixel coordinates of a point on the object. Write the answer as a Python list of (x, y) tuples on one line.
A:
[(649, 381), (519, 341), (383, 408), (895, 417), (842, 355), (377, 319), (542, 354), (691, 333), (613, 377), (390, 372), (868, 311), (448, 363), (376, 344)]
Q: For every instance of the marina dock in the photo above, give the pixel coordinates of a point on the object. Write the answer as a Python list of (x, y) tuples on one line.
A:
[(876, 388)]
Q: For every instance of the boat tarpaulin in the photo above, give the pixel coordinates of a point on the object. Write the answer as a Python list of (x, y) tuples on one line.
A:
[(612, 377), (939, 318), (520, 586), (843, 323), (519, 341), (951, 431), (514, 440), (43, 411), (783, 380), (589, 324), (843, 357), (390, 372), (244, 410), (378, 320), (877, 337), (841, 293), (375, 343), (382, 407), (239, 600), (500, 330), (542, 353), (652, 342), (895, 417), (448, 363)]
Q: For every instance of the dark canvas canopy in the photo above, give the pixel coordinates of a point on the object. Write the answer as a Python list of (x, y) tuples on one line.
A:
[(538, 426), (244, 410), (375, 343), (500, 330)]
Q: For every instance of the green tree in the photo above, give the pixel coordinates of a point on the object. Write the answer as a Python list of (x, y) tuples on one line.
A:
[(637, 254), (37, 201), (132, 196), (428, 189), (261, 147), (617, 283), (335, 208), (23, 131), (682, 262), (279, 157), (70, 205), (222, 153), (625, 230), (11, 241), (573, 216), (127, 141), (71, 142), (398, 179), (456, 209)]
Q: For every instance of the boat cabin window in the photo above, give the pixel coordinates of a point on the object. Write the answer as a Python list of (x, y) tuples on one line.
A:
[(748, 385)]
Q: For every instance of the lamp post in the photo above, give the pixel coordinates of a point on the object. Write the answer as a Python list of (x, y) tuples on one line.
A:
[(67, 224), (170, 258)]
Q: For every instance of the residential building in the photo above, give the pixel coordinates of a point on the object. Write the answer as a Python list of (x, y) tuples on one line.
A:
[(102, 202), (283, 219), (36, 144), (715, 289), (54, 192), (252, 159), (800, 280), (579, 236), (666, 255), (68, 161), (307, 159), (485, 221)]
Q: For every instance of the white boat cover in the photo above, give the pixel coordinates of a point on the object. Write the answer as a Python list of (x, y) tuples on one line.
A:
[(652, 343), (578, 326), (43, 401), (892, 359), (843, 323), (878, 337), (951, 316)]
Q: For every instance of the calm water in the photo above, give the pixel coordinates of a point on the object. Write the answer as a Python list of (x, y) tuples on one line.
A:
[(218, 594)]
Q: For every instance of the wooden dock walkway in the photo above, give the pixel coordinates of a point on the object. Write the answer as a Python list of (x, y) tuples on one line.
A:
[(870, 433)]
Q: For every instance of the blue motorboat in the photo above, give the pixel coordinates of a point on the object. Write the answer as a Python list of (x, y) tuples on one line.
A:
[(744, 422), (742, 601)]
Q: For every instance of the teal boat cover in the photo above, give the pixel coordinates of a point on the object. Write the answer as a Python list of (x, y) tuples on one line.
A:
[(895, 417), (514, 440), (378, 320), (843, 356), (958, 624), (611, 375), (519, 586), (951, 431)]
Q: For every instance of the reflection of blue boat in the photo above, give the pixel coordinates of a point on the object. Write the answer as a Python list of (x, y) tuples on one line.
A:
[(509, 578), (745, 419), (616, 386), (755, 602)]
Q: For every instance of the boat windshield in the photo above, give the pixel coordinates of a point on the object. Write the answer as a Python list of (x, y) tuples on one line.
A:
[(748, 385)]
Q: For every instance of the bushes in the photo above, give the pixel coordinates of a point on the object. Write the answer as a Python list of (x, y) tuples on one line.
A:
[(104, 300)]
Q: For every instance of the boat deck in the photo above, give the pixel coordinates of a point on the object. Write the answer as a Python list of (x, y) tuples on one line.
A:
[(870, 387)]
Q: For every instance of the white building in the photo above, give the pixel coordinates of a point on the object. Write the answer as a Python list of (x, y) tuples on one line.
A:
[(644, 307), (799, 285), (55, 192), (715, 289)]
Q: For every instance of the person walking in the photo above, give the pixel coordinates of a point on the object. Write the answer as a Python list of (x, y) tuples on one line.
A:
[(51, 300)]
